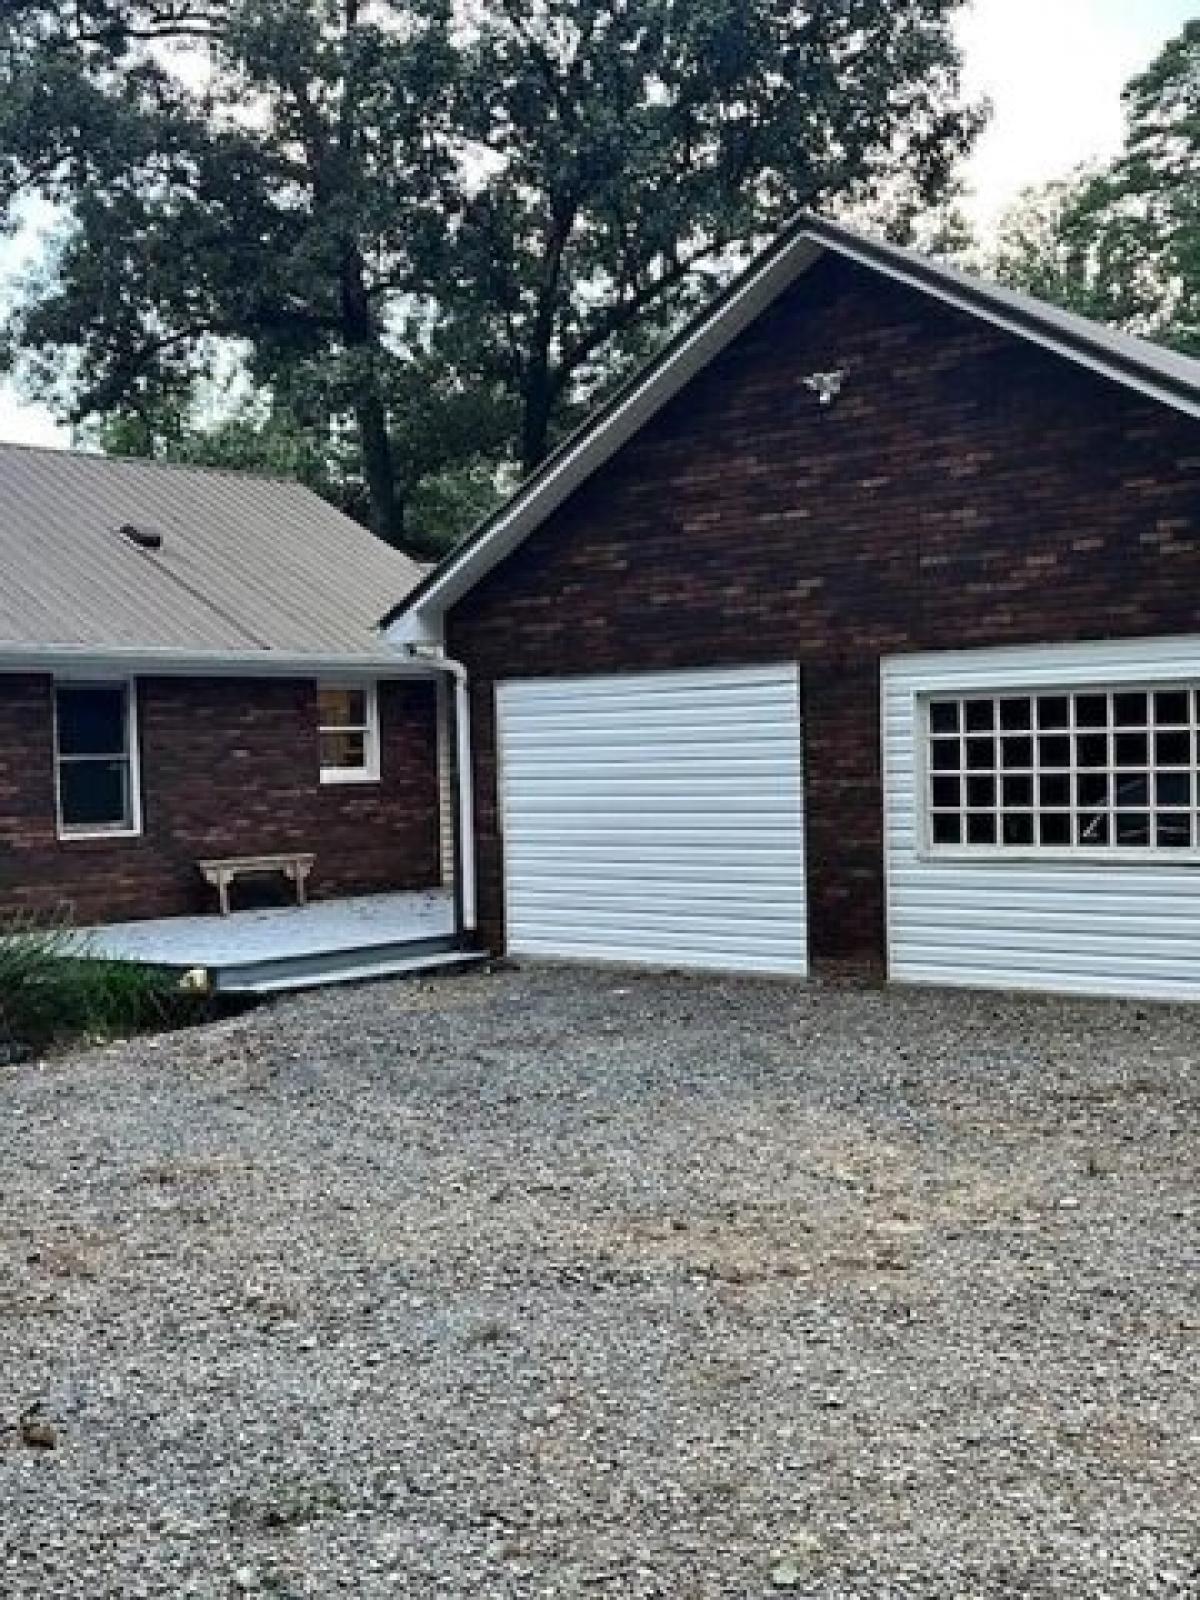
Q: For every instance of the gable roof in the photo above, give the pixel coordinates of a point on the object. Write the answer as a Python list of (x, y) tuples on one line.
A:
[(248, 567), (1149, 369)]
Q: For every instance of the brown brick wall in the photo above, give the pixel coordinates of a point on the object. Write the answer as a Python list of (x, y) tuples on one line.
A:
[(229, 767), (967, 489)]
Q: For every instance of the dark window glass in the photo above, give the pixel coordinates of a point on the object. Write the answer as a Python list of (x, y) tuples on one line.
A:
[(947, 830), (341, 708), (1091, 711), (1173, 830), (1055, 791), (1133, 749), (947, 793), (1133, 791), (1018, 791), (1173, 789), (1018, 753), (1018, 828), (343, 750), (980, 716), (1015, 714), (1172, 750), (981, 755), (981, 792), (981, 829), (91, 721), (1054, 750), (94, 794), (1130, 710), (1056, 830), (1054, 711), (1093, 829), (1092, 789), (1133, 828), (947, 755), (1172, 708), (1091, 750), (943, 716)]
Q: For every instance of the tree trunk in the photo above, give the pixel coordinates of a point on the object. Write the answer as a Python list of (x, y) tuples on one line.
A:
[(370, 413), (536, 407)]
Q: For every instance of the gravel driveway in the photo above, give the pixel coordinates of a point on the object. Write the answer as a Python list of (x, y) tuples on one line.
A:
[(577, 1284)]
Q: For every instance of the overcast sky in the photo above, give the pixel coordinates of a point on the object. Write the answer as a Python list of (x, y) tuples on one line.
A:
[(1054, 70)]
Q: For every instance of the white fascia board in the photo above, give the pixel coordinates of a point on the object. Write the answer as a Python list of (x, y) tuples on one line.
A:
[(417, 629), (80, 661)]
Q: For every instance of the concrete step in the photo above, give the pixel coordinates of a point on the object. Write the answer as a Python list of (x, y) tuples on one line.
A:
[(322, 968)]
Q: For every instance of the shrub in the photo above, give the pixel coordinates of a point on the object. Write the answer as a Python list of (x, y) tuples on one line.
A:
[(52, 991)]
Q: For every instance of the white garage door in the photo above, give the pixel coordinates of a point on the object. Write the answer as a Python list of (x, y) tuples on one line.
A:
[(656, 818)]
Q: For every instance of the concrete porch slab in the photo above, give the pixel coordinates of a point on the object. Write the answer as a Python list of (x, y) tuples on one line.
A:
[(316, 941)]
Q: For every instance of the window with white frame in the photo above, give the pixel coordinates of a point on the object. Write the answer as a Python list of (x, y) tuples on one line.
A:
[(1082, 770), (95, 759), (348, 732)]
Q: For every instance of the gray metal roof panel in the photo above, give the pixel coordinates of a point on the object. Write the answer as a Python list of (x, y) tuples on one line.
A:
[(247, 562)]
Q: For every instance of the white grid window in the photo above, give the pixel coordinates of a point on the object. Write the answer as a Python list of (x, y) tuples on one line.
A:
[(348, 732), (1082, 770)]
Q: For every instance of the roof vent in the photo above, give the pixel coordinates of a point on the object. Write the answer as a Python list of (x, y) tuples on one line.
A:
[(144, 538)]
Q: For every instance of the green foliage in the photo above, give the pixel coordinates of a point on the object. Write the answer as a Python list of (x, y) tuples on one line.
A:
[(51, 992), (431, 238), (1122, 244), (634, 150)]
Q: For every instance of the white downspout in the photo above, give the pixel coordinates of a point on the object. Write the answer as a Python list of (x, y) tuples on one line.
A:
[(464, 779), (465, 792)]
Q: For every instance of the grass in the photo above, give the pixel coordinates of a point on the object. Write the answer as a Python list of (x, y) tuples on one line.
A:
[(51, 992)]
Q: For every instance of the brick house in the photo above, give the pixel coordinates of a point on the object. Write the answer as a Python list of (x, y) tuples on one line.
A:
[(190, 669), (862, 628)]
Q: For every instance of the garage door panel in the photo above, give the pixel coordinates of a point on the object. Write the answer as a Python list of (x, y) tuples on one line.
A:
[(656, 818), (1079, 922)]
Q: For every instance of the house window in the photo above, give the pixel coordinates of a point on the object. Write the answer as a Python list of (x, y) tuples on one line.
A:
[(348, 732), (95, 759), (1080, 770)]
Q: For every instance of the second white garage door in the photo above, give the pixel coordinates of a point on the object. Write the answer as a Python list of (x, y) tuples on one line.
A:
[(656, 818)]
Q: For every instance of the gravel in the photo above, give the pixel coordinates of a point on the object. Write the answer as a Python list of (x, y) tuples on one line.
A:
[(558, 1283)]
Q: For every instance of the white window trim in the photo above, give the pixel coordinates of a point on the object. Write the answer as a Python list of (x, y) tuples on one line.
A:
[(1110, 855), (370, 771), (66, 833)]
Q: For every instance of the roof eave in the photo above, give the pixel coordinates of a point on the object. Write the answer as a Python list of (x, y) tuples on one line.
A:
[(89, 660)]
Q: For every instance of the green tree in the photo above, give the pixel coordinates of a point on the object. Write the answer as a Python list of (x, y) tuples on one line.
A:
[(1122, 244), (433, 237), (634, 149), (260, 171)]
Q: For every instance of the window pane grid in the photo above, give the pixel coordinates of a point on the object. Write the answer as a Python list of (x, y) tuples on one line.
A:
[(347, 732), (1115, 769), (94, 759)]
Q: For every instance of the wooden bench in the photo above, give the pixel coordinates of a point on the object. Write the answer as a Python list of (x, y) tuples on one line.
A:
[(295, 865)]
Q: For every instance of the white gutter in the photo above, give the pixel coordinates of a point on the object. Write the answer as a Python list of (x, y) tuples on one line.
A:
[(153, 662)]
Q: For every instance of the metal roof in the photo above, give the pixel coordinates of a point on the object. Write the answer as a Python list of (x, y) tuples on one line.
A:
[(248, 566), (1149, 369)]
